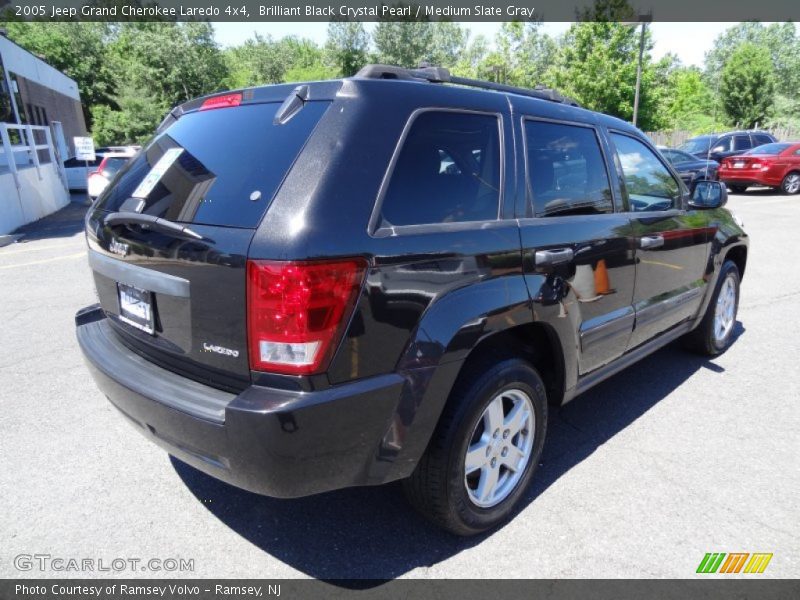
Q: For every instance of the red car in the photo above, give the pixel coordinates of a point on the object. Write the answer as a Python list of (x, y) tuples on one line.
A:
[(773, 165)]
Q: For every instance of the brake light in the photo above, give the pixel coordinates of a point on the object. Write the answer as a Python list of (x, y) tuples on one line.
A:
[(224, 101), (297, 312)]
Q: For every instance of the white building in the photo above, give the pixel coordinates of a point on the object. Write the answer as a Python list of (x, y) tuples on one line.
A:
[(40, 110)]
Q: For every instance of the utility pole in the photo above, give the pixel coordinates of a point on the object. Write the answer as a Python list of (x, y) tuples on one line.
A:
[(643, 20), (639, 74)]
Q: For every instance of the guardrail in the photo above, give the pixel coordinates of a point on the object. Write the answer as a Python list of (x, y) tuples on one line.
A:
[(27, 146)]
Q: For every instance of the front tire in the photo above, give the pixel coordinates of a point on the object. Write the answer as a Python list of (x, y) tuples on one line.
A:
[(791, 183), (485, 449), (715, 333)]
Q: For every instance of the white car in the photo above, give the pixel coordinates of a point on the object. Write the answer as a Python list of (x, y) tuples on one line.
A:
[(77, 171)]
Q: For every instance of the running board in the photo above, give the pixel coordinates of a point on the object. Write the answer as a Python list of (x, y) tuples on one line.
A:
[(626, 360)]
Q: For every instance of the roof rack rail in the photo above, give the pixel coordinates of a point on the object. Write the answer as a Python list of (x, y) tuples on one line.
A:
[(442, 75)]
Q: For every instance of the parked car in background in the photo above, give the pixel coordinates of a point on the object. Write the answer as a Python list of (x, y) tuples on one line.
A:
[(717, 146), (689, 167), (77, 171), (110, 165), (773, 165)]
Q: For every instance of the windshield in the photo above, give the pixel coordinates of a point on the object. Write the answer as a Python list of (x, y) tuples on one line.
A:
[(215, 167), (769, 149), (698, 145)]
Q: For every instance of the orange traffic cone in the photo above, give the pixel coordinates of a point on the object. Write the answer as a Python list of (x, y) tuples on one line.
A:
[(601, 283)]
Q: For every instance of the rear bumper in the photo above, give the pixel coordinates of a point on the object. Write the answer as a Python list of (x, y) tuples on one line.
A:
[(274, 442), (748, 177)]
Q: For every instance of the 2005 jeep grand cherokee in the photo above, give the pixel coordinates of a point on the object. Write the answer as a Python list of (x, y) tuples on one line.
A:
[(390, 277)]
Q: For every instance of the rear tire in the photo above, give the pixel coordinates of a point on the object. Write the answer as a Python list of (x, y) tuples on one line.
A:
[(714, 335), (465, 482), (738, 189), (791, 183)]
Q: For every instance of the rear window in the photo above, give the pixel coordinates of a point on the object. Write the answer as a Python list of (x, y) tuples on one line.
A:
[(769, 149), (215, 167)]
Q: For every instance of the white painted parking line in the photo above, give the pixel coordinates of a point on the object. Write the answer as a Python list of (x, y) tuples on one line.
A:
[(46, 260)]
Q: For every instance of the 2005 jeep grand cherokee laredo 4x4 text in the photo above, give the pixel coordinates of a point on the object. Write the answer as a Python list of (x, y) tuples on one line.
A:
[(389, 277)]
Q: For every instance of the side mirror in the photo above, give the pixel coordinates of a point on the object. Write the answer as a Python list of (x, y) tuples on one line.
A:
[(719, 148), (709, 194)]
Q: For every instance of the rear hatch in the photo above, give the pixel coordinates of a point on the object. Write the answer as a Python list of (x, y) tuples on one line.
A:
[(178, 297)]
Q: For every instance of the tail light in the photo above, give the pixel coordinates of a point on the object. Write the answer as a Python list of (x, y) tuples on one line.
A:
[(297, 312), (223, 101)]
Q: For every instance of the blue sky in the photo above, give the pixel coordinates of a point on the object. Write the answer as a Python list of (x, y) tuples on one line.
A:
[(690, 41)]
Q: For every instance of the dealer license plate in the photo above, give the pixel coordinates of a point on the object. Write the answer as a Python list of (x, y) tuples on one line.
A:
[(136, 307)]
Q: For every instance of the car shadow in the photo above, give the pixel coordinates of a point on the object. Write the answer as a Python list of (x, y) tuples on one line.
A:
[(371, 533), (65, 222), (756, 191)]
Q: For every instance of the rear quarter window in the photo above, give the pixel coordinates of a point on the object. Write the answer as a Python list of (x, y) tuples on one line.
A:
[(447, 171), (215, 167)]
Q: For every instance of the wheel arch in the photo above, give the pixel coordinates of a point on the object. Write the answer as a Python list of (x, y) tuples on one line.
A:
[(738, 254), (492, 317), (535, 342)]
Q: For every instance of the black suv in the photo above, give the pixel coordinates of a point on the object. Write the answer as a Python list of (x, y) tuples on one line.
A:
[(389, 277), (717, 146)]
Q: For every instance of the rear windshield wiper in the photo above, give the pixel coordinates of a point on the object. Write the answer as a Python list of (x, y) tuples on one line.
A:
[(151, 222)]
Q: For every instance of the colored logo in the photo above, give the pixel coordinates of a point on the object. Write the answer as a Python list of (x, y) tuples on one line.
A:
[(734, 562)]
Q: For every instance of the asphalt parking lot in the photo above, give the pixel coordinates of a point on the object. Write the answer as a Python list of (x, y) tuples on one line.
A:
[(673, 458)]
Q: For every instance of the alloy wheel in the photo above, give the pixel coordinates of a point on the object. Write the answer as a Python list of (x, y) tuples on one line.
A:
[(500, 448), (725, 311), (791, 185)]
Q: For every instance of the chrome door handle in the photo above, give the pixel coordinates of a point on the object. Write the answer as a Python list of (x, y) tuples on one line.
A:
[(552, 258), (651, 241)]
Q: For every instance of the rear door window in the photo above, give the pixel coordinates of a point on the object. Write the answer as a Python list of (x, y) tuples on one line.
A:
[(723, 145), (566, 171), (448, 171), (215, 167)]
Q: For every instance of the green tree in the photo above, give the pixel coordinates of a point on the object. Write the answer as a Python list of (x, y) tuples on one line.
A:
[(173, 62), (448, 43), (690, 103), (136, 117), (470, 60), (263, 60), (524, 53), (747, 85), (258, 61), (347, 46), (405, 44), (781, 40), (155, 66), (596, 64)]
